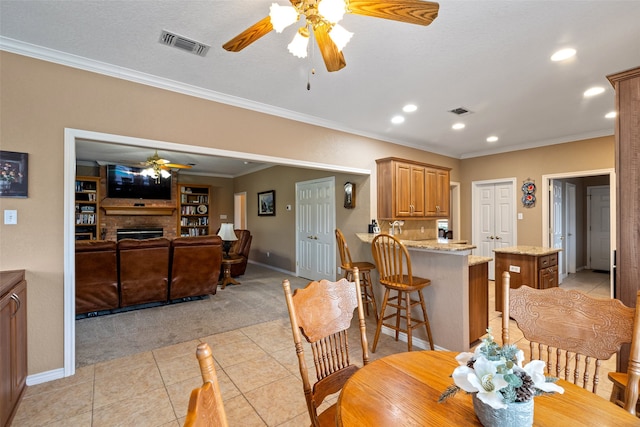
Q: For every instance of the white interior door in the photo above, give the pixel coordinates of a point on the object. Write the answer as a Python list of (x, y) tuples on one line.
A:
[(599, 230), (570, 240), (493, 218), (315, 229)]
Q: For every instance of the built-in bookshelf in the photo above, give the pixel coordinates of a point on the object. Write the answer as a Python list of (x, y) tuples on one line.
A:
[(87, 208), (193, 206)]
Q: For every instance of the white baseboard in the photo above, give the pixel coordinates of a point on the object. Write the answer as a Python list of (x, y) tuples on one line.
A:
[(416, 342), (44, 377), (270, 267)]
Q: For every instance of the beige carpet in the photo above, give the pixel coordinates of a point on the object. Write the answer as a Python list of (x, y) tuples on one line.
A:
[(258, 299)]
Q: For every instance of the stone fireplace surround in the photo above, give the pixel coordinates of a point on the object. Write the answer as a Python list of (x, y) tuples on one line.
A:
[(110, 223)]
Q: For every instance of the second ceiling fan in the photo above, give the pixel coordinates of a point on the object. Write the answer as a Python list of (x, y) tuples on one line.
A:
[(322, 17)]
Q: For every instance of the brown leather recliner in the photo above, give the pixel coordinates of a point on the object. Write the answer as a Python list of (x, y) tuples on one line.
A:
[(96, 276), (144, 270), (241, 247), (195, 266)]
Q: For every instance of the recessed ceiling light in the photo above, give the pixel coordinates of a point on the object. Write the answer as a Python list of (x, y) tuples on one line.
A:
[(563, 54), (458, 126), (396, 120), (611, 115), (409, 108), (492, 139), (596, 90)]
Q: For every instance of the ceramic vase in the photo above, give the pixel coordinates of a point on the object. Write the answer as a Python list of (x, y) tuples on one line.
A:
[(514, 415)]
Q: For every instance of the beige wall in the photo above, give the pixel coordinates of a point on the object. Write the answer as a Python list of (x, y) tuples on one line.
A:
[(590, 154), (38, 100)]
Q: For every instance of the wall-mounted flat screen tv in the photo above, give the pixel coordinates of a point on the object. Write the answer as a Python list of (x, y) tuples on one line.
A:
[(129, 183)]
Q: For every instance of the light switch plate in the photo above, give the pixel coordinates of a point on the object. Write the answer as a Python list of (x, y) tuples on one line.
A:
[(514, 268), (10, 216)]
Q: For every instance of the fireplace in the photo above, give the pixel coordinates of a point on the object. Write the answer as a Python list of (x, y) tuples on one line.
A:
[(138, 233)]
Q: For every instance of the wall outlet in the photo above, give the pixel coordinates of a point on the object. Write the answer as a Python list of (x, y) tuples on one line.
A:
[(268, 254), (223, 216), (514, 268)]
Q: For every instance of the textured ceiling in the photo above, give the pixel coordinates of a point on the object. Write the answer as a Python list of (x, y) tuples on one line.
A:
[(491, 57)]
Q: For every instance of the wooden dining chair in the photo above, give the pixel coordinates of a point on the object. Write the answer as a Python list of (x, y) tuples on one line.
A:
[(322, 313), (394, 266), (347, 264), (569, 330), (626, 385), (205, 405)]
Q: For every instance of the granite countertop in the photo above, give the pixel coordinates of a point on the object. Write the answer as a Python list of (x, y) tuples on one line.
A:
[(527, 250), (433, 244), (476, 260)]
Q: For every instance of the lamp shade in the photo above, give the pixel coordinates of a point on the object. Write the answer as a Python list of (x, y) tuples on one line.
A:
[(226, 232)]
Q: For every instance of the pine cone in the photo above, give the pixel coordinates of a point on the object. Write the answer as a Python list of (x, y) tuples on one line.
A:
[(471, 362), (526, 391)]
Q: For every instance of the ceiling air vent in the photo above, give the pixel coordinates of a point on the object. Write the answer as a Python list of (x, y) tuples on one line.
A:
[(460, 111), (180, 42)]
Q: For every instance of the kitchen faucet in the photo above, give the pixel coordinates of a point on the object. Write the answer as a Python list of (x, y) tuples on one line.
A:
[(395, 224)]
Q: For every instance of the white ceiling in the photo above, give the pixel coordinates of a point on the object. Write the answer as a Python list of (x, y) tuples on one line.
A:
[(491, 57)]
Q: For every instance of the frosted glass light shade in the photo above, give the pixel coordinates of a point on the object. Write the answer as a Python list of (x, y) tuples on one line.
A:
[(298, 46), (282, 16), (332, 10), (340, 36), (226, 232)]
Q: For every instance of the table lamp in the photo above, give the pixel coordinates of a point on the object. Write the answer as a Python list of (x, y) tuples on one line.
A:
[(228, 236)]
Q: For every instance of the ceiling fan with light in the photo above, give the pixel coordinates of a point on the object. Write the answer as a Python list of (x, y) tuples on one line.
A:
[(157, 167), (322, 16)]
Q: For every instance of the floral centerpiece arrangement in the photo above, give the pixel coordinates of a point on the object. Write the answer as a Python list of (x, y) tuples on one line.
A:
[(496, 378)]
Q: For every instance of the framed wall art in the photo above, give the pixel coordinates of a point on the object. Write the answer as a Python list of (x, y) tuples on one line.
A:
[(13, 174), (267, 203)]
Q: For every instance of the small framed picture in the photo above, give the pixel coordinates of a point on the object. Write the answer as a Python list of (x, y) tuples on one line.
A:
[(13, 174), (267, 203)]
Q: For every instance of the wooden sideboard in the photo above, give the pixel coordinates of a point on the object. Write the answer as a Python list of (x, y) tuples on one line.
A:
[(528, 265), (13, 342)]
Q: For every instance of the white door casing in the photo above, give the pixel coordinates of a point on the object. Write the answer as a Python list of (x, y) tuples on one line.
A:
[(599, 229), (557, 223), (493, 210), (315, 229)]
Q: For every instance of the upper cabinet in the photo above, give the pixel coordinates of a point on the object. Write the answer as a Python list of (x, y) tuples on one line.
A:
[(412, 190)]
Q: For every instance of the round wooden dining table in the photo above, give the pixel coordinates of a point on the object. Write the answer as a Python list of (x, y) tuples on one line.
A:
[(403, 390)]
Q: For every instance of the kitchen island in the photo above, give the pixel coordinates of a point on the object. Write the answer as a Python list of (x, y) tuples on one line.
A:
[(533, 266), (446, 263)]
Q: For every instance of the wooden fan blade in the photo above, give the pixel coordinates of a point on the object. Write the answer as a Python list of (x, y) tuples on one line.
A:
[(175, 166), (411, 11), (333, 58), (249, 35)]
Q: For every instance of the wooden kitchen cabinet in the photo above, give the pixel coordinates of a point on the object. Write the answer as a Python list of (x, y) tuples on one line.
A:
[(13, 342), (627, 157), (411, 190), (527, 265), (478, 297)]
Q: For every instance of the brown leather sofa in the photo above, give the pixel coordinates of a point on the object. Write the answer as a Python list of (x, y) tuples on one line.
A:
[(96, 276), (241, 247), (195, 266), (144, 270)]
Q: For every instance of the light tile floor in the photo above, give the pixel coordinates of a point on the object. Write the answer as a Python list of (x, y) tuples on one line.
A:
[(257, 367)]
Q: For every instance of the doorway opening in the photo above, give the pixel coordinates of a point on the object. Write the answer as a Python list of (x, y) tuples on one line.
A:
[(565, 220)]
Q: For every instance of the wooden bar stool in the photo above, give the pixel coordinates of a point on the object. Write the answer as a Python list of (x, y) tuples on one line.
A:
[(391, 257), (364, 267)]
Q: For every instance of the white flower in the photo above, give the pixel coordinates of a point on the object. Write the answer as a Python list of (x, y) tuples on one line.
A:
[(535, 369), (484, 380)]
